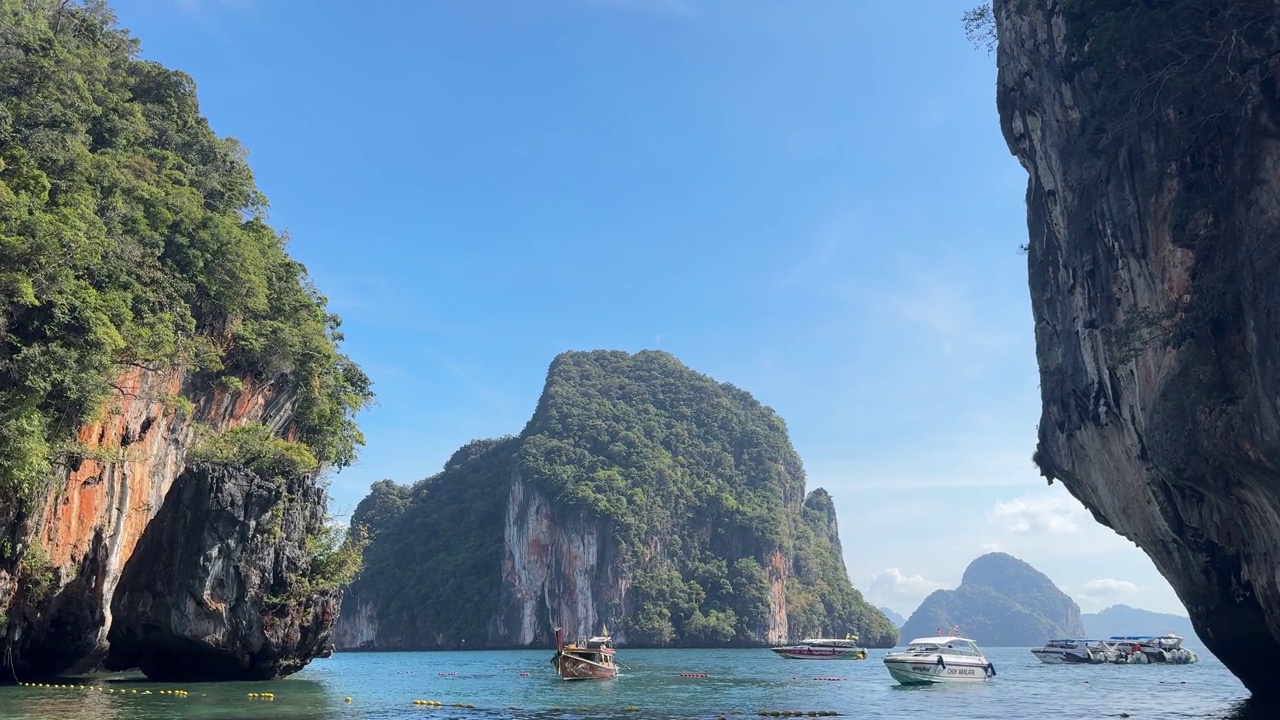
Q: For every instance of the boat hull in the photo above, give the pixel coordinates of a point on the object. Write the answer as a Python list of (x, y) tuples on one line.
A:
[(573, 667), (919, 671), (820, 653), (1058, 657)]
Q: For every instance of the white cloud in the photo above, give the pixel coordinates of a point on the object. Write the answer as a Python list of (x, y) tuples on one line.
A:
[(1045, 513), (900, 592), (1105, 587), (1102, 592), (992, 547)]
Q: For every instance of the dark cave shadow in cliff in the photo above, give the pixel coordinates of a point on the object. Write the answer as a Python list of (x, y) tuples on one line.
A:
[(1254, 709)]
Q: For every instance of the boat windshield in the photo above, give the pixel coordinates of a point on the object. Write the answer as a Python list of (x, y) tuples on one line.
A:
[(955, 646), (1067, 644), (950, 647), (829, 641)]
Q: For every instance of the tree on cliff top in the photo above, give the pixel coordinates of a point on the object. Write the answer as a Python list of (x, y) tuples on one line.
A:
[(131, 235)]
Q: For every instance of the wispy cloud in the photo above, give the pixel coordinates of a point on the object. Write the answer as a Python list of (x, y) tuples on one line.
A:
[(822, 264), (903, 593), (663, 7), (986, 467), (1043, 513), (1105, 587), (205, 14), (470, 381), (946, 310), (200, 7)]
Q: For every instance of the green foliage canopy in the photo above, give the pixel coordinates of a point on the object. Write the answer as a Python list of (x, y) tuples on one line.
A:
[(433, 567), (132, 235)]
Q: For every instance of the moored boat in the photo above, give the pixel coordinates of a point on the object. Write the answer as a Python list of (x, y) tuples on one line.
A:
[(943, 659), (1144, 649), (585, 659), (1073, 652), (823, 649)]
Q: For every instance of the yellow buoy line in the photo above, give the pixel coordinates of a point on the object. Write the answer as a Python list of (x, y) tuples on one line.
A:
[(108, 690), (635, 708), (424, 703)]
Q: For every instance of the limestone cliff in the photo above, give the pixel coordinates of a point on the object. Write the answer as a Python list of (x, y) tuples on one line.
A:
[(552, 559), (145, 303), (87, 529), (221, 585), (1001, 601), (642, 496), (1150, 136)]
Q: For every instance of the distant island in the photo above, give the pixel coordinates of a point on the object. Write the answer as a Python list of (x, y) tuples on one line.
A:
[(1125, 620), (1001, 601), (895, 618), (641, 495)]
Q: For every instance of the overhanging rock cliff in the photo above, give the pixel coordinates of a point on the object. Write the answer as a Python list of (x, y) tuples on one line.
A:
[(221, 586), (76, 547), (1150, 137)]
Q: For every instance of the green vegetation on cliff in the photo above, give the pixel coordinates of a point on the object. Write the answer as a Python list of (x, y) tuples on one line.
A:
[(433, 566), (1001, 601), (133, 236), (694, 484)]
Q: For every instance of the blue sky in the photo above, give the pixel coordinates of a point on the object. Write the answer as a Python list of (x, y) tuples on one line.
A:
[(809, 200)]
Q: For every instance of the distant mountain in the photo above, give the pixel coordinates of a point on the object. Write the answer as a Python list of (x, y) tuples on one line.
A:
[(1125, 620), (1001, 601), (895, 618)]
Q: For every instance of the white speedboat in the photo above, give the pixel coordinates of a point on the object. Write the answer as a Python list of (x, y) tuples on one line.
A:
[(1144, 649), (939, 660), (1071, 652), (824, 649)]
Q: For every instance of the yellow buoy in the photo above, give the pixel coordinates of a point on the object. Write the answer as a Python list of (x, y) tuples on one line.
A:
[(347, 699)]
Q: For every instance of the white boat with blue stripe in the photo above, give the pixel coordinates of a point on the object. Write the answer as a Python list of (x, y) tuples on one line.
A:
[(943, 659)]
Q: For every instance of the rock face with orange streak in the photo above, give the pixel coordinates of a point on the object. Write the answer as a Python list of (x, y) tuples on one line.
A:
[(216, 588), (91, 524)]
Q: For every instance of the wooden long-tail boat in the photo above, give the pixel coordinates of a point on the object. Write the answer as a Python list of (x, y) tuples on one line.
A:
[(586, 659)]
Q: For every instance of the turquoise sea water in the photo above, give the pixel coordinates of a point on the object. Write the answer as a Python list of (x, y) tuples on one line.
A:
[(384, 685)]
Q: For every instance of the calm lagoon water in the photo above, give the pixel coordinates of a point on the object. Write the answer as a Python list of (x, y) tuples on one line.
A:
[(384, 685)]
